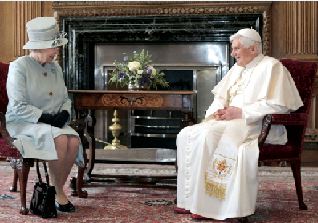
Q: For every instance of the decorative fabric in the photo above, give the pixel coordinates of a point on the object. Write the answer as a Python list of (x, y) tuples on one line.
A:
[(237, 89), (15, 163), (7, 151), (218, 174)]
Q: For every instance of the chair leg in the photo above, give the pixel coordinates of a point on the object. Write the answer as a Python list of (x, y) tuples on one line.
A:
[(79, 182), (14, 186), (23, 174), (295, 166)]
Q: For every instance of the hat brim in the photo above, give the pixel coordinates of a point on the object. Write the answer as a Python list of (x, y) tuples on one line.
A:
[(32, 45)]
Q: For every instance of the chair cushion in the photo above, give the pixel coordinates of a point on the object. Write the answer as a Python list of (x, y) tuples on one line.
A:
[(3, 88), (272, 152), (7, 151)]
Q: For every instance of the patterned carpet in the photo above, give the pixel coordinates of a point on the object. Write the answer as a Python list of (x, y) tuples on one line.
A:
[(276, 202)]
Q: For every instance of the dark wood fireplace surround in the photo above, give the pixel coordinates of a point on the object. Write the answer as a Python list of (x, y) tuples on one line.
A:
[(88, 23)]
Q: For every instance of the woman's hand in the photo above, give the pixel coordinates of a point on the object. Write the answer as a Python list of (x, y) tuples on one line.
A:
[(46, 118), (57, 120), (60, 119)]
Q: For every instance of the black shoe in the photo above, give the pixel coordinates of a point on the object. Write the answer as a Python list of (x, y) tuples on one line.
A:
[(69, 207)]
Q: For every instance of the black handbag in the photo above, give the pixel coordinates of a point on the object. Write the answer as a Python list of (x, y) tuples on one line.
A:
[(43, 198)]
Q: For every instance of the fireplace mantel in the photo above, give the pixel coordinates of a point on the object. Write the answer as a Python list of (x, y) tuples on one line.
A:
[(88, 23), (173, 8)]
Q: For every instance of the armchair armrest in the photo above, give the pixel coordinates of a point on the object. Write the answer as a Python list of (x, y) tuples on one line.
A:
[(78, 124), (7, 149), (290, 119), (2, 121), (3, 130), (280, 119)]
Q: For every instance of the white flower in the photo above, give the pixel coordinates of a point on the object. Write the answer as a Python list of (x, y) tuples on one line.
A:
[(134, 65), (137, 70), (153, 71)]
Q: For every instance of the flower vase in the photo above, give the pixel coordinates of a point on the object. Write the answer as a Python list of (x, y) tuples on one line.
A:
[(133, 86)]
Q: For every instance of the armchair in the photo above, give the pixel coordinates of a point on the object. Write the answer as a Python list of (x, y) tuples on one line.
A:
[(7, 149), (303, 74)]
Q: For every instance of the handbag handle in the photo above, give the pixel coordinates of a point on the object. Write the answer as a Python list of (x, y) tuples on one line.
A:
[(45, 171)]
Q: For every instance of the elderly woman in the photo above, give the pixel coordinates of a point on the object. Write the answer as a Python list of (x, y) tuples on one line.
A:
[(217, 159), (39, 108)]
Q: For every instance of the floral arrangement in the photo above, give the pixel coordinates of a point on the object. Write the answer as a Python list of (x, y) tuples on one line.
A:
[(136, 72)]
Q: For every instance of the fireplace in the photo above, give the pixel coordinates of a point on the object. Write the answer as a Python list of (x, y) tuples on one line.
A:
[(180, 37), (187, 66)]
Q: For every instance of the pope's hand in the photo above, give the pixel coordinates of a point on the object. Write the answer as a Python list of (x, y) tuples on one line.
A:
[(228, 113)]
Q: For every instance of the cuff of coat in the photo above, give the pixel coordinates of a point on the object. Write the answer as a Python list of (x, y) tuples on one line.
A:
[(66, 108)]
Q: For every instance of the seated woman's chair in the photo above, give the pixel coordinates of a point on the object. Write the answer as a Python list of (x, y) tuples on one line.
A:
[(303, 74), (7, 150)]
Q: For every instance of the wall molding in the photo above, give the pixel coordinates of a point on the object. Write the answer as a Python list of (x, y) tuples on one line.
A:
[(301, 30)]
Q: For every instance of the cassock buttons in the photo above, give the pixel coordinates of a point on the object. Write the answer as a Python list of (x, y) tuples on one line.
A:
[(51, 93), (45, 74)]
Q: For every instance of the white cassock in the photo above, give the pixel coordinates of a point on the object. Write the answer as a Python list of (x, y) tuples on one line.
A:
[(218, 160)]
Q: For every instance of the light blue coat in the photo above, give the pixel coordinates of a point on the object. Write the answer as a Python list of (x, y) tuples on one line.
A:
[(34, 89)]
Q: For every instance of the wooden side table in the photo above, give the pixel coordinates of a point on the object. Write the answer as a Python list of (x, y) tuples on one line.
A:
[(85, 100)]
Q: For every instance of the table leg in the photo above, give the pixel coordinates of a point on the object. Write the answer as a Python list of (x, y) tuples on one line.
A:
[(115, 128), (91, 150)]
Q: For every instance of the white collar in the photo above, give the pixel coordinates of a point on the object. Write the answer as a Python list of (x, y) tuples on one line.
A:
[(254, 62)]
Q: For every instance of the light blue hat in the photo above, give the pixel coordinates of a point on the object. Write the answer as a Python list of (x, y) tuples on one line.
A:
[(43, 34)]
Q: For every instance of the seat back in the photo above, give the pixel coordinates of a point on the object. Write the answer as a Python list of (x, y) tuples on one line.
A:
[(6, 150), (4, 67), (303, 74)]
